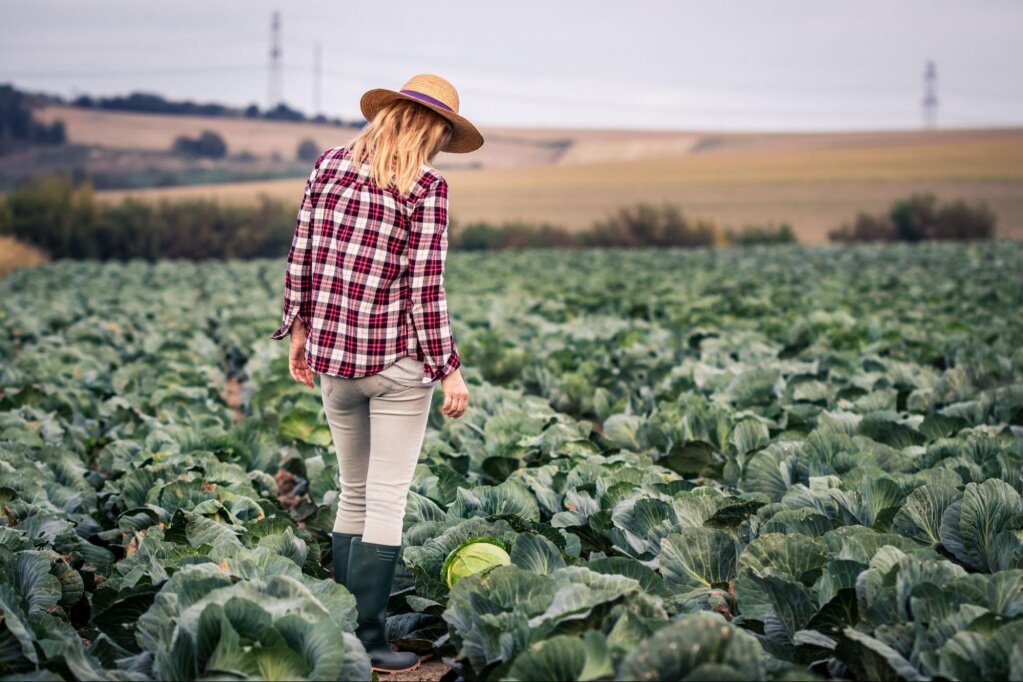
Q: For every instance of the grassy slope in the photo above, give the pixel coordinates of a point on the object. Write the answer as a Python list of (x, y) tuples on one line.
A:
[(14, 255), (813, 180)]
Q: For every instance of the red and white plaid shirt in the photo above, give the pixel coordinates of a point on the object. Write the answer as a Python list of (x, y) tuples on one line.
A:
[(366, 272)]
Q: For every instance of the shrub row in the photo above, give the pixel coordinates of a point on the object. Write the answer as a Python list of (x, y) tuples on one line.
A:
[(920, 218), (756, 234), (640, 225), (631, 226), (67, 221)]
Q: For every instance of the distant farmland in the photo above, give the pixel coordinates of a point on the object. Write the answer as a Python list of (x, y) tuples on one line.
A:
[(814, 181)]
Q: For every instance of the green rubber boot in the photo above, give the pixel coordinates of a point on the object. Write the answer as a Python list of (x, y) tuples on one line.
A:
[(339, 545), (370, 573)]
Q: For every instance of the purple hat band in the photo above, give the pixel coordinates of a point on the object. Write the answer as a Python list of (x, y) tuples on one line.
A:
[(427, 98)]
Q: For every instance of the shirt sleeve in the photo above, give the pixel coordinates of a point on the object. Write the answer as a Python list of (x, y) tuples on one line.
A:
[(428, 243), (297, 284)]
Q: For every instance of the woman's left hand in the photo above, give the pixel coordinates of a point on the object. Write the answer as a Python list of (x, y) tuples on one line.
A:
[(299, 368)]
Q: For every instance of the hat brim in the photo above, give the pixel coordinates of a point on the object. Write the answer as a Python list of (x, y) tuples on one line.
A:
[(464, 136)]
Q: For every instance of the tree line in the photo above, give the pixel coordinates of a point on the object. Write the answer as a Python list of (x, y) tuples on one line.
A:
[(18, 127), (145, 102)]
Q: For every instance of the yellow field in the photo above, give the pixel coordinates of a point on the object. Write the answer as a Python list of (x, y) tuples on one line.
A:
[(505, 146), (125, 130), (813, 181)]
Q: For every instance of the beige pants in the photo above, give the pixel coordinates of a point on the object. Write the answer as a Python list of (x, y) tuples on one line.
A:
[(378, 426)]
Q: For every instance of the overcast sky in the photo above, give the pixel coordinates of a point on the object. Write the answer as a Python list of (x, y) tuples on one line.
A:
[(714, 64)]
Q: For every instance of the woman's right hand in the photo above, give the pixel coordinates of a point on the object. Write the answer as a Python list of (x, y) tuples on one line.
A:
[(456, 395)]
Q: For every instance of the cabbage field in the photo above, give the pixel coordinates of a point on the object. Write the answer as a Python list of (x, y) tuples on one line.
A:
[(763, 463)]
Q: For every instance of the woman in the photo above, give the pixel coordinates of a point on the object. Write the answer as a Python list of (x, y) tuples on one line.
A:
[(365, 305)]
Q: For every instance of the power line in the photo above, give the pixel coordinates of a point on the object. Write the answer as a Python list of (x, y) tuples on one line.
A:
[(108, 46), (352, 80), (174, 71), (398, 55), (348, 77), (496, 68), (540, 98)]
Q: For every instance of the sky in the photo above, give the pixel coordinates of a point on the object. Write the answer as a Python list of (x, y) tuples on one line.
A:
[(783, 65)]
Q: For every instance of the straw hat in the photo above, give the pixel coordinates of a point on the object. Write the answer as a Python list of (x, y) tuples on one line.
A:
[(436, 93)]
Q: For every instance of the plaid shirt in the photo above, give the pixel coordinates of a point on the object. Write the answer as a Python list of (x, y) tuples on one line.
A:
[(366, 272)]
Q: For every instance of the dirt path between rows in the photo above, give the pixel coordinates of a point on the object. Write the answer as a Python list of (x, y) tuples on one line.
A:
[(430, 670), (232, 395)]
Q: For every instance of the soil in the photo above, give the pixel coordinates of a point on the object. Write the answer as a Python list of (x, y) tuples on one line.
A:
[(232, 395), (429, 670)]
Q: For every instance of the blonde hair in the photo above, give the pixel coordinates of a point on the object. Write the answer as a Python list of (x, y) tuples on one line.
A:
[(401, 137)]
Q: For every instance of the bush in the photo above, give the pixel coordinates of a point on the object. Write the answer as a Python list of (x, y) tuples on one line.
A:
[(65, 220), (481, 236), (308, 150), (959, 220), (649, 225), (208, 145), (755, 234), (913, 216), (919, 217), (282, 112), (54, 133), (865, 227), (635, 226), (54, 214)]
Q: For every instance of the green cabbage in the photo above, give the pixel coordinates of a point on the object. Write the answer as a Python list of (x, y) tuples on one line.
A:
[(473, 556)]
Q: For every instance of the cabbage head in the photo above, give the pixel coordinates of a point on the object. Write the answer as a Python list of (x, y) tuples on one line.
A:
[(475, 555)]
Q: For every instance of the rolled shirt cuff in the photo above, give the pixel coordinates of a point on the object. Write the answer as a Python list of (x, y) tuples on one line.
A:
[(434, 371), (285, 328), (433, 332)]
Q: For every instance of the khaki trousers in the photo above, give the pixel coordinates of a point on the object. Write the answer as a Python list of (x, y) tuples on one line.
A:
[(378, 426)]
